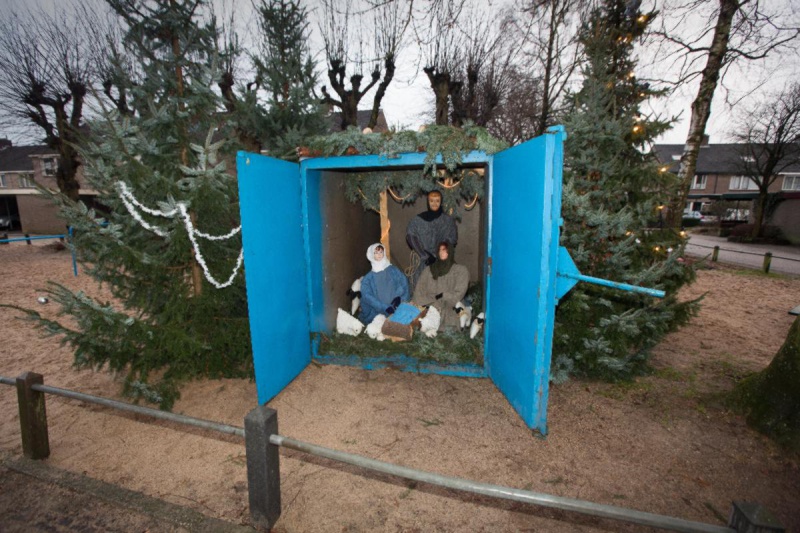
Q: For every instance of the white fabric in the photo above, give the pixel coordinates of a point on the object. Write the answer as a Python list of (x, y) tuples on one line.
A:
[(377, 266)]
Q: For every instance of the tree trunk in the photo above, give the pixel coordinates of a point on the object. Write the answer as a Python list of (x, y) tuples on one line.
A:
[(385, 223), (771, 398), (758, 216), (376, 102), (197, 275), (701, 107), (541, 127), (440, 83)]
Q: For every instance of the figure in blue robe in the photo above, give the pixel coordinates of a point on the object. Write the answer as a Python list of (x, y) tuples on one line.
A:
[(383, 288)]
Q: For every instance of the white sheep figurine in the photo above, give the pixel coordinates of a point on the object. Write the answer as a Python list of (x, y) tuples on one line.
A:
[(374, 328), (354, 292), (348, 324), (429, 324), (476, 326), (464, 313)]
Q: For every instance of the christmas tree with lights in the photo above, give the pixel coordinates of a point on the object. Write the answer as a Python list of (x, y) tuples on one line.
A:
[(614, 193), (164, 243)]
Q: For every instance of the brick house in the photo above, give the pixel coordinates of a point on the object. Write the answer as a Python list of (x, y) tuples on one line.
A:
[(22, 168), (718, 177)]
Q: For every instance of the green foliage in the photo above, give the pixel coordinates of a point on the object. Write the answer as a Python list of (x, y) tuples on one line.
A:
[(444, 147), (771, 398), (287, 73), (447, 348), (155, 323), (613, 187)]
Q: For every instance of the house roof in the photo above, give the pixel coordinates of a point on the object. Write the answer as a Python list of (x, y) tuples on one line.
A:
[(335, 120), (712, 159), (18, 158)]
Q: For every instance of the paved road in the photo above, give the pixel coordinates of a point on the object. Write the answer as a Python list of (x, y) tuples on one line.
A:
[(785, 259)]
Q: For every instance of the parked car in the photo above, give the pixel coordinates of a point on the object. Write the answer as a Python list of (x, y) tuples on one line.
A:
[(693, 214), (7, 221)]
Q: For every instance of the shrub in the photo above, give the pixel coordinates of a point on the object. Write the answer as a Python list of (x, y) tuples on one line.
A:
[(769, 235)]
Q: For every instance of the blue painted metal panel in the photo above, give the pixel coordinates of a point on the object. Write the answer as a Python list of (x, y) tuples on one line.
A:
[(275, 270), (403, 363), (416, 159), (567, 273), (312, 215), (521, 282)]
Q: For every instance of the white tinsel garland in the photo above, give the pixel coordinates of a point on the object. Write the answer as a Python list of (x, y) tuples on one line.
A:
[(131, 203)]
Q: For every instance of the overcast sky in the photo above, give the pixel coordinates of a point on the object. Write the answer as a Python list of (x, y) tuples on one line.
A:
[(409, 101)]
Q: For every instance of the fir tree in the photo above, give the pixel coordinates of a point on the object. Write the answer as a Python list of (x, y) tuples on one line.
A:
[(287, 73), (614, 192), (164, 316)]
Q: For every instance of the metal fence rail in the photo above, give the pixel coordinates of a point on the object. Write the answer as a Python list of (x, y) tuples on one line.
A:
[(744, 252), (262, 442), (505, 493), (765, 265), (27, 238)]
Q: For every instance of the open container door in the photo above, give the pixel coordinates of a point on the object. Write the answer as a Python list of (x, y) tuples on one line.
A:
[(525, 204), (275, 270)]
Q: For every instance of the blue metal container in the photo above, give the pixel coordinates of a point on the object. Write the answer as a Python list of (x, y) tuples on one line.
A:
[(525, 270)]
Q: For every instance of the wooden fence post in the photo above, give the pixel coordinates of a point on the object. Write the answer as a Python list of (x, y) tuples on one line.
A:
[(28, 239), (32, 417), (263, 470), (767, 262), (715, 254), (753, 518)]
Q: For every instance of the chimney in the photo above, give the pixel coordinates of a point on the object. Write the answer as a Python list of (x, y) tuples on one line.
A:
[(5, 143)]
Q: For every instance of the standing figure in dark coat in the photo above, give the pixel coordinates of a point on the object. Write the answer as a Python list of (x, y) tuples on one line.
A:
[(426, 231), (383, 288)]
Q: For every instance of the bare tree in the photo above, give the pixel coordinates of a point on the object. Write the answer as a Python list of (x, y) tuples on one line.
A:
[(355, 39), (47, 76), (468, 59), (549, 32), (518, 116), (442, 50), (241, 106), (482, 82), (742, 30), (769, 135)]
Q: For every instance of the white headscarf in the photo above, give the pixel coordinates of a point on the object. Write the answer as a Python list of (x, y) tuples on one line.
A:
[(377, 266)]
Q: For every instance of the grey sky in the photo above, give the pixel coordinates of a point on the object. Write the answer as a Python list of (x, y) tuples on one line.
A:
[(409, 99)]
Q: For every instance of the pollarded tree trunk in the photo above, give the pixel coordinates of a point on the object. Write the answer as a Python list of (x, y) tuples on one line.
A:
[(440, 83), (771, 398), (701, 107)]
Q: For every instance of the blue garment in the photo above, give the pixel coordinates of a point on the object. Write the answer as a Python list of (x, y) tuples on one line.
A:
[(378, 289)]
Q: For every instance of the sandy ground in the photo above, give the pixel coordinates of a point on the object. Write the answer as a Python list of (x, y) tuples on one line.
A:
[(664, 444)]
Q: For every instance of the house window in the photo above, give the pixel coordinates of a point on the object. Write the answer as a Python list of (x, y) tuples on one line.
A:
[(699, 182), (791, 182), (50, 166), (743, 183), (2, 180), (26, 181), (676, 157)]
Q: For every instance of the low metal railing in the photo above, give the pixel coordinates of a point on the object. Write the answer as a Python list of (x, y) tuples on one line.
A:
[(765, 265), (262, 443), (61, 237)]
